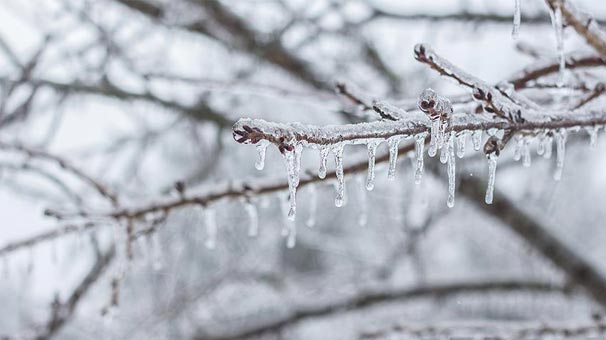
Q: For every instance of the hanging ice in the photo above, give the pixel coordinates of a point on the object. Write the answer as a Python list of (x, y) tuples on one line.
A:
[(444, 155), (451, 170), (526, 159), (211, 228), (593, 135), (492, 171), (419, 146), (323, 157), (394, 143), (517, 19), (476, 139), (313, 206), (291, 240), (253, 219), (548, 147), (558, 27), (561, 136), (435, 134), (370, 179), (461, 141), (338, 150), (541, 145), (517, 152), (261, 150), (293, 166)]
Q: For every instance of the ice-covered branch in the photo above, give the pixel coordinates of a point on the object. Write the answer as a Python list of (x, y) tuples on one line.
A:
[(53, 234)]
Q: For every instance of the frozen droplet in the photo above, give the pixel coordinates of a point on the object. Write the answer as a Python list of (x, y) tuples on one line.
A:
[(435, 134), (394, 143), (338, 151), (476, 139), (313, 206), (370, 179), (253, 218), (210, 222), (291, 240), (461, 141), (419, 146), (323, 157), (541, 145), (526, 159), (492, 170), (451, 170), (517, 19), (561, 137), (261, 150)]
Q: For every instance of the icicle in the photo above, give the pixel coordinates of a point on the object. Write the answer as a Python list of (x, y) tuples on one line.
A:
[(156, 251), (461, 141), (558, 27), (444, 155), (323, 157), (548, 147), (435, 134), (451, 170), (560, 153), (419, 146), (593, 135), (338, 150), (293, 166), (253, 218), (363, 217), (211, 228), (370, 179), (492, 170), (261, 149), (526, 160), (476, 139), (394, 143), (517, 19), (313, 206), (517, 152), (541, 145)]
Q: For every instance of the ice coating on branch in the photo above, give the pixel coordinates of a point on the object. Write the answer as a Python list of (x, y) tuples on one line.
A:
[(476, 139), (451, 170), (253, 218), (293, 167), (419, 152), (439, 110), (323, 158), (558, 27), (393, 143), (561, 137), (526, 159), (372, 151), (210, 222), (313, 206), (492, 171), (517, 19), (261, 150), (340, 198), (461, 141)]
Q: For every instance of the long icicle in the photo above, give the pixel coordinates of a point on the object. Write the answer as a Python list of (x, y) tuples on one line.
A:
[(451, 170), (492, 170), (419, 151), (517, 19), (372, 151), (561, 137), (393, 156), (340, 198)]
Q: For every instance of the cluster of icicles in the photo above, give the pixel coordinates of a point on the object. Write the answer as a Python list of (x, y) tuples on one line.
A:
[(450, 144)]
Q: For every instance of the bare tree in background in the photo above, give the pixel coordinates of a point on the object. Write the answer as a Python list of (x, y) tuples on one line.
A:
[(117, 118)]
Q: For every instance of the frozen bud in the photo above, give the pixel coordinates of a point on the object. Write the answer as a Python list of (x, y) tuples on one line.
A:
[(427, 100), (493, 145), (419, 51)]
